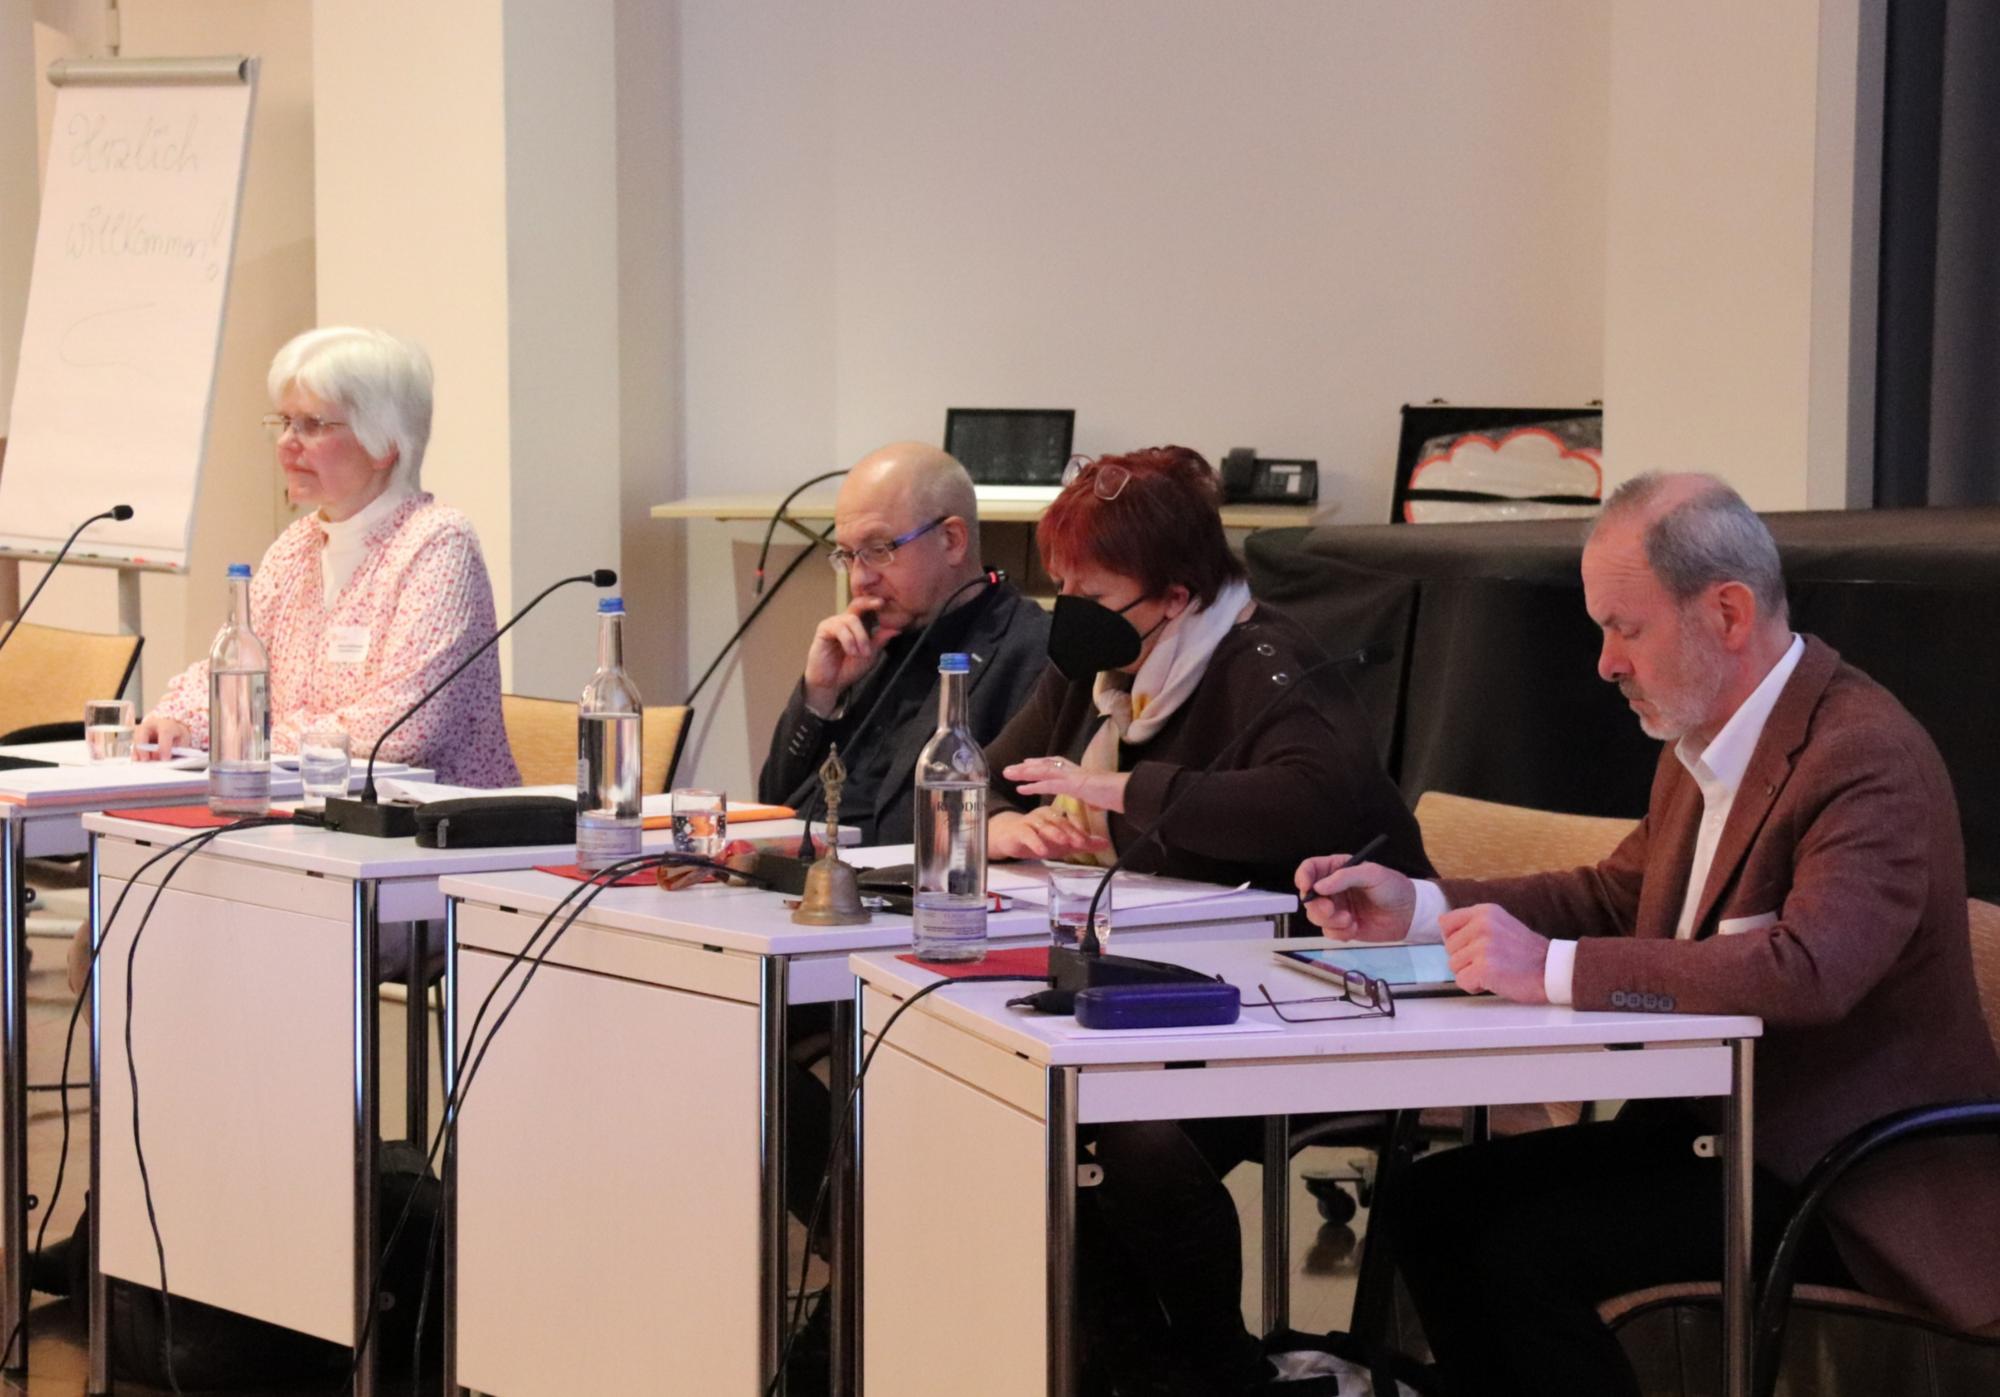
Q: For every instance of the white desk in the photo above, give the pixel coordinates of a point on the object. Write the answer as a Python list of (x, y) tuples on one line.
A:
[(256, 1009), (41, 816), (619, 1169), (970, 1102)]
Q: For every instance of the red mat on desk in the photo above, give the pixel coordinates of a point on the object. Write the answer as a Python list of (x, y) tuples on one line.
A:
[(570, 871), (1014, 960), (179, 816)]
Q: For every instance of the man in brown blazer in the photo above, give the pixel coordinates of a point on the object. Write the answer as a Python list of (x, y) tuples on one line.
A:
[(1800, 860)]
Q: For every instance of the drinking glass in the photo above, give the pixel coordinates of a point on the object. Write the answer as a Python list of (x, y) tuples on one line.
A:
[(701, 821), (107, 729), (323, 764), (1071, 887)]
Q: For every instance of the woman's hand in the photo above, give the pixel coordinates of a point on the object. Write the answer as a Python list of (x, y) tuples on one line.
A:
[(161, 734), (1042, 833), (1059, 776)]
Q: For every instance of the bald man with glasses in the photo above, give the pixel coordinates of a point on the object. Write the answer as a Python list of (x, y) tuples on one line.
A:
[(906, 533)]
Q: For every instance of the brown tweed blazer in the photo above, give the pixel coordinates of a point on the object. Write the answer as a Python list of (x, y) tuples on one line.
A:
[(1835, 911)]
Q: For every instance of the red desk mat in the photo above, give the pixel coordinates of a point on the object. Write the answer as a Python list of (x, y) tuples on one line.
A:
[(643, 878), (179, 816), (1013, 960)]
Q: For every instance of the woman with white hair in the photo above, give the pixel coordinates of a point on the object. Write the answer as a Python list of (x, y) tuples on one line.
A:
[(376, 593)]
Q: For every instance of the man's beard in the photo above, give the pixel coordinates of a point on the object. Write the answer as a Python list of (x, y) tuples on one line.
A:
[(1696, 685)]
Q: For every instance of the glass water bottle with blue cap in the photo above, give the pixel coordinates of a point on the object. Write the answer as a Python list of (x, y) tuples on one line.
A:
[(608, 757), (239, 710), (951, 829)]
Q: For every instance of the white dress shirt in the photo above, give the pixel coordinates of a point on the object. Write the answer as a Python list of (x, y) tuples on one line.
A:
[(347, 541), (1717, 769)]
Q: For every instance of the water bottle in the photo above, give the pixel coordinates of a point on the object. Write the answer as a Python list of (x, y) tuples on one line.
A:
[(608, 759), (239, 710), (951, 830)]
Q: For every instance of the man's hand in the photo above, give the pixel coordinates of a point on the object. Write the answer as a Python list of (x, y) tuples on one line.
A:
[(165, 734), (842, 649), (1489, 950), (1042, 833), (1356, 902)]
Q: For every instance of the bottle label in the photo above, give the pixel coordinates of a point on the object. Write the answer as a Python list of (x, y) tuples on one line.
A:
[(601, 843), (954, 921), (254, 784)]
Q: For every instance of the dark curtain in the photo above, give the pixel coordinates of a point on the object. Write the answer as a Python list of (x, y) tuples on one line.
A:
[(1937, 430)]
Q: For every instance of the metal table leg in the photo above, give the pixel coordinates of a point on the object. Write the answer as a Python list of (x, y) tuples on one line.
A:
[(1737, 1160), (772, 1061), (416, 1038), (1059, 1118), (14, 1094), (845, 1290), (448, 1166), (1277, 1223), (100, 1289), (367, 1063)]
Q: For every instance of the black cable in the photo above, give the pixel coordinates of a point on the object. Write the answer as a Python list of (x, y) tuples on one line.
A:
[(777, 516), (840, 1134), (755, 611), (989, 577)]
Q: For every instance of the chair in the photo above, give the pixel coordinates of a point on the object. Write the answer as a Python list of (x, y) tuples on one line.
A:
[(47, 674), (1469, 838), (1826, 1340), (542, 733)]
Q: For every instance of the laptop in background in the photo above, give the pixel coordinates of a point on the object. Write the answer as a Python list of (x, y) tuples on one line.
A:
[(1013, 454)]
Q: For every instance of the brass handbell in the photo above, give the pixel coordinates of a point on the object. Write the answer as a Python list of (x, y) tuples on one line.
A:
[(833, 890)]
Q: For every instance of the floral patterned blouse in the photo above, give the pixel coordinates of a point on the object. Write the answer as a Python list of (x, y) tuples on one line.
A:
[(418, 604)]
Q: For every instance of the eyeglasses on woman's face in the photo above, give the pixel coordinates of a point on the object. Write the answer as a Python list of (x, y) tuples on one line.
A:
[(880, 554), (306, 429), (1107, 478)]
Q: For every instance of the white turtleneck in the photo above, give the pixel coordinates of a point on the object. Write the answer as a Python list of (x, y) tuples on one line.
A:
[(347, 541)]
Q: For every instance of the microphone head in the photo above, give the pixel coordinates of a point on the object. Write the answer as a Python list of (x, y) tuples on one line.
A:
[(604, 577), (996, 575), (121, 512)]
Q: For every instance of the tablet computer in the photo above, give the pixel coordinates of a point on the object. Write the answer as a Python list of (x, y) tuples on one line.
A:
[(1420, 969)]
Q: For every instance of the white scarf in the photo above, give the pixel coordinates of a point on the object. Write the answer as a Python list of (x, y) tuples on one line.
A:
[(1164, 682)]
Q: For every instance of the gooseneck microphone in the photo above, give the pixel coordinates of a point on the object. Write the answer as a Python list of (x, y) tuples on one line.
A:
[(118, 512), (764, 553), (991, 577), (1087, 965), (367, 815)]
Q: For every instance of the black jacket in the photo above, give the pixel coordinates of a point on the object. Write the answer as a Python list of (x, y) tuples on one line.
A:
[(1006, 636)]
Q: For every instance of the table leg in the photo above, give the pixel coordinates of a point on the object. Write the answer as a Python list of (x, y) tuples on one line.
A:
[(772, 1061), (845, 1294), (1737, 1159), (1059, 1118), (99, 1334), (14, 1095), (1277, 1223), (416, 1038), (448, 1166), (367, 1063)]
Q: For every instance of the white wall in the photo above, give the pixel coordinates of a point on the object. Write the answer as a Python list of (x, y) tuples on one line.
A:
[(1220, 225), (1738, 308)]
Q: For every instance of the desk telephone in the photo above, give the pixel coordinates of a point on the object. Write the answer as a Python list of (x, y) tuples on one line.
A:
[(1250, 479)]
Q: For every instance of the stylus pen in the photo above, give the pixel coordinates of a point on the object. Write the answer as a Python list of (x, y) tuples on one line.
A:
[(1362, 855)]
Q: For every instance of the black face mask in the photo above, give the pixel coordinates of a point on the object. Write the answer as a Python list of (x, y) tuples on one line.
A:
[(1087, 637)]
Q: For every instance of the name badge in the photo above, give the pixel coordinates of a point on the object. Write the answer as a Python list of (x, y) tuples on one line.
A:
[(346, 645)]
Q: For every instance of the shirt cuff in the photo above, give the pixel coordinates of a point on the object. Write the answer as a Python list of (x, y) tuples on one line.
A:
[(1559, 972), (1424, 916)]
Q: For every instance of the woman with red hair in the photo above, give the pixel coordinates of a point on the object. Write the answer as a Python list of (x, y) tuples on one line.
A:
[(1161, 664)]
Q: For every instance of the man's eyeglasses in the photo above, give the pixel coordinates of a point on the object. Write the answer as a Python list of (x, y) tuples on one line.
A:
[(1372, 997), (879, 555), (306, 428), (1107, 480)]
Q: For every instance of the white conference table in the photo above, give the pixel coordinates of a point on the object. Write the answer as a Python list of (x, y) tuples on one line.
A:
[(256, 1007), (631, 1117), (990, 1099), (41, 816)]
